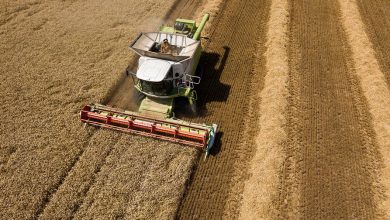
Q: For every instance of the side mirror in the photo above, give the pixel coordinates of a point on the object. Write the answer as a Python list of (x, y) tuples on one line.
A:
[(130, 73)]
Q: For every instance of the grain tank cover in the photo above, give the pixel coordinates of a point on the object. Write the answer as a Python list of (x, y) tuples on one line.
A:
[(146, 44)]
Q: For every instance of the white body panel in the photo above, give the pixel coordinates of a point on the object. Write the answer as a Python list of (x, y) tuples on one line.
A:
[(153, 70)]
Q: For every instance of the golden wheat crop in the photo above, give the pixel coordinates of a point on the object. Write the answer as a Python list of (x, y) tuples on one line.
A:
[(57, 56)]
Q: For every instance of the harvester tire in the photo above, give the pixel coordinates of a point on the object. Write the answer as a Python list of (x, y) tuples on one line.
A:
[(193, 109), (137, 97)]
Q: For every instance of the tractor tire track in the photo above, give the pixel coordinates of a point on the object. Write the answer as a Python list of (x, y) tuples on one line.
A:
[(229, 62), (331, 151)]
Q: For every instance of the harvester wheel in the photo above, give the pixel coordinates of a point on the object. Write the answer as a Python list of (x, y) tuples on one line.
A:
[(193, 109), (137, 97)]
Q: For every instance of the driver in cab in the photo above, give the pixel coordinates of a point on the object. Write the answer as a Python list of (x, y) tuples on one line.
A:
[(166, 47)]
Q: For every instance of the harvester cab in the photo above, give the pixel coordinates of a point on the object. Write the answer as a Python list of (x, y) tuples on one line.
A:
[(161, 77)]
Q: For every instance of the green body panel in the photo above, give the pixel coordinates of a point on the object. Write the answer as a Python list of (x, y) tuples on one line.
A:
[(160, 108), (181, 92), (164, 106), (190, 24), (167, 29), (187, 21)]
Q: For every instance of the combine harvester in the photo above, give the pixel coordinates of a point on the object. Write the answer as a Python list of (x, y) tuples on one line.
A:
[(166, 70)]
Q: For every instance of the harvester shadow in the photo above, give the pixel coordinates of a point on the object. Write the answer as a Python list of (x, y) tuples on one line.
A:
[(211, 89)]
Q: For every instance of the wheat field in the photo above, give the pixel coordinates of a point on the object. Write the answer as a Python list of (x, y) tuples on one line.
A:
[(299, 89)]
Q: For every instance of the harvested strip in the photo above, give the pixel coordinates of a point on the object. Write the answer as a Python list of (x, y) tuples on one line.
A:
[(268, 158), (373, 85), (331, 155), (251, 121), (223, 97), (376, 17)]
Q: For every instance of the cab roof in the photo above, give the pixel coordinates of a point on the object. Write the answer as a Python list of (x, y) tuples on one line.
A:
[(153, 70)]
